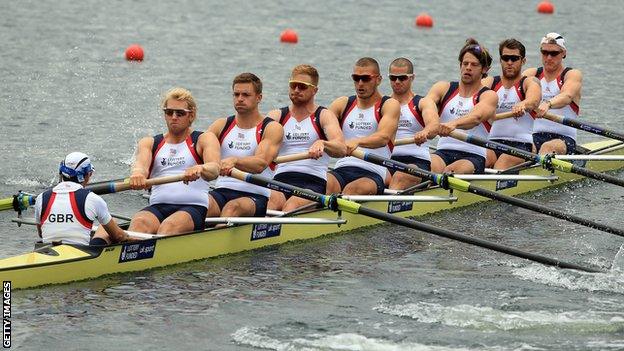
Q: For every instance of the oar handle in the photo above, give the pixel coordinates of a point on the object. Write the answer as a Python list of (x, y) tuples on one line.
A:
[(112, 187), (503, 115), (553, 117), (292, 157)]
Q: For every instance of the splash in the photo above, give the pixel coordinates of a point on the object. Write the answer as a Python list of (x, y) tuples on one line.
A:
[(25, 182), (490, 319), (345, 341), (611, 281)]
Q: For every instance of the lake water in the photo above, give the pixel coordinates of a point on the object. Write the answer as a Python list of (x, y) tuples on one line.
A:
[(66, 87)]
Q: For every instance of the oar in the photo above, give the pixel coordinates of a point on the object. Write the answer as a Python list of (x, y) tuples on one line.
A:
[(591, 128), (547, 161), (338, 204), (22, 201), (292, 157), (446, 182)]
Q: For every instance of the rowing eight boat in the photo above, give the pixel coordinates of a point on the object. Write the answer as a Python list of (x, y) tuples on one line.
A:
[(64, 263)]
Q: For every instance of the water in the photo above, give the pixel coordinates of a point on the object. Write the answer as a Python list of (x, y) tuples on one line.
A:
[(66, 87)]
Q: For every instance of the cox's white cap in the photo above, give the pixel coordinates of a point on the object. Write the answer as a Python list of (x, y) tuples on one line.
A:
[(554, 38), (76, 165)]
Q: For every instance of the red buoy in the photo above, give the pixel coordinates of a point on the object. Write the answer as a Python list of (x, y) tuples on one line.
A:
[(289, 36), (545, 7), (134, 52), (424, 20)]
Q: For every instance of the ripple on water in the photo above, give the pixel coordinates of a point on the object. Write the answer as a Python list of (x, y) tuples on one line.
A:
[(490, 319), (611, 281)]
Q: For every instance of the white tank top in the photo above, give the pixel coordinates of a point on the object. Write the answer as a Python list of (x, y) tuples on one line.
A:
[(238, 142), (173, 159), (513, 129), (299, 137), (68, 214), (550, 90), (358, 123), (411, 123), (454, 107)]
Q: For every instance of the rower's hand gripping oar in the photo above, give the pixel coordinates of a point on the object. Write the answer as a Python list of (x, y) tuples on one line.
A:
[(449, 182), (546, 161), (338, 204), (591, 128)]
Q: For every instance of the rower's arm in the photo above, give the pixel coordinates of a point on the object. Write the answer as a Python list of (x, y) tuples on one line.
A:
[(274, 115), (266, 151), (570, 91), (386, 130), (533, 94), (530, 72), (115, 233), (482, 111), (437, 91), (338, 106), (335, 144), (95, 204), (142, 159), (430, 115), (208, 146)]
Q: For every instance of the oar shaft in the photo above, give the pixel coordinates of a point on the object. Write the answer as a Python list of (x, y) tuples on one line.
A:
[(559, 165), (352, 207), (465, 186), (112, 187), (591, 128)]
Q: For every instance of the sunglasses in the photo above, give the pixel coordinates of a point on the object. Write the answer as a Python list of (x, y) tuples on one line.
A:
[(553, 53), (363, 77), (400, 77), (177, 112), (512, 58), (297, 84)]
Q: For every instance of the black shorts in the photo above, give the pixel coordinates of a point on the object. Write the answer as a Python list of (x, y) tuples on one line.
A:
[(541, 138), (517, 144), (162, 211), (346, 175), (411, 160), (222, 196), (302, 180), (450, 156)]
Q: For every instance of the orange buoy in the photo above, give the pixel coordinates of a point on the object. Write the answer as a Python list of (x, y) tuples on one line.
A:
[(134, 52), (545, 7), (289, 36), (424, 20)]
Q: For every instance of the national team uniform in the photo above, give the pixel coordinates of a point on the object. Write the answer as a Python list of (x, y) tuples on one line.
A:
[(545, 130), (238, 142), (299, 137), (514, 132), (450, 149), (166, 199), (66, 213), (410, 123), (358, 123)]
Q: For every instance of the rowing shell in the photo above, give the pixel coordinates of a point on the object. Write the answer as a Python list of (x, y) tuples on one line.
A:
[(66, 263)]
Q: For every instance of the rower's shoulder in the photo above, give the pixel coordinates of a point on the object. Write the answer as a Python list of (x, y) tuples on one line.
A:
[(217, 126), (530, 72), (574, 73), (438, 89), (275, 114), (487, 81), (338, 105)]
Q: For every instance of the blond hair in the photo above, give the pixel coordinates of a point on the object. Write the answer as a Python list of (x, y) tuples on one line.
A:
[(180, 94), (308, 71)]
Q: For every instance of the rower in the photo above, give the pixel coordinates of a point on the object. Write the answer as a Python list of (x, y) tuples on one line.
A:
[(66, 212), (175, 207), (561, 95), (249, 142), (309, 128), (518, 94), (418, 120), (368, 120), (468, 105)]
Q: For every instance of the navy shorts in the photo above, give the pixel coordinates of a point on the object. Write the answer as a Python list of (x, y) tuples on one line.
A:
[(162, 211), (450, 156), (411, 160), (302, 180), (541, 138), (517, 144), (222, 196), (346, 175)]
